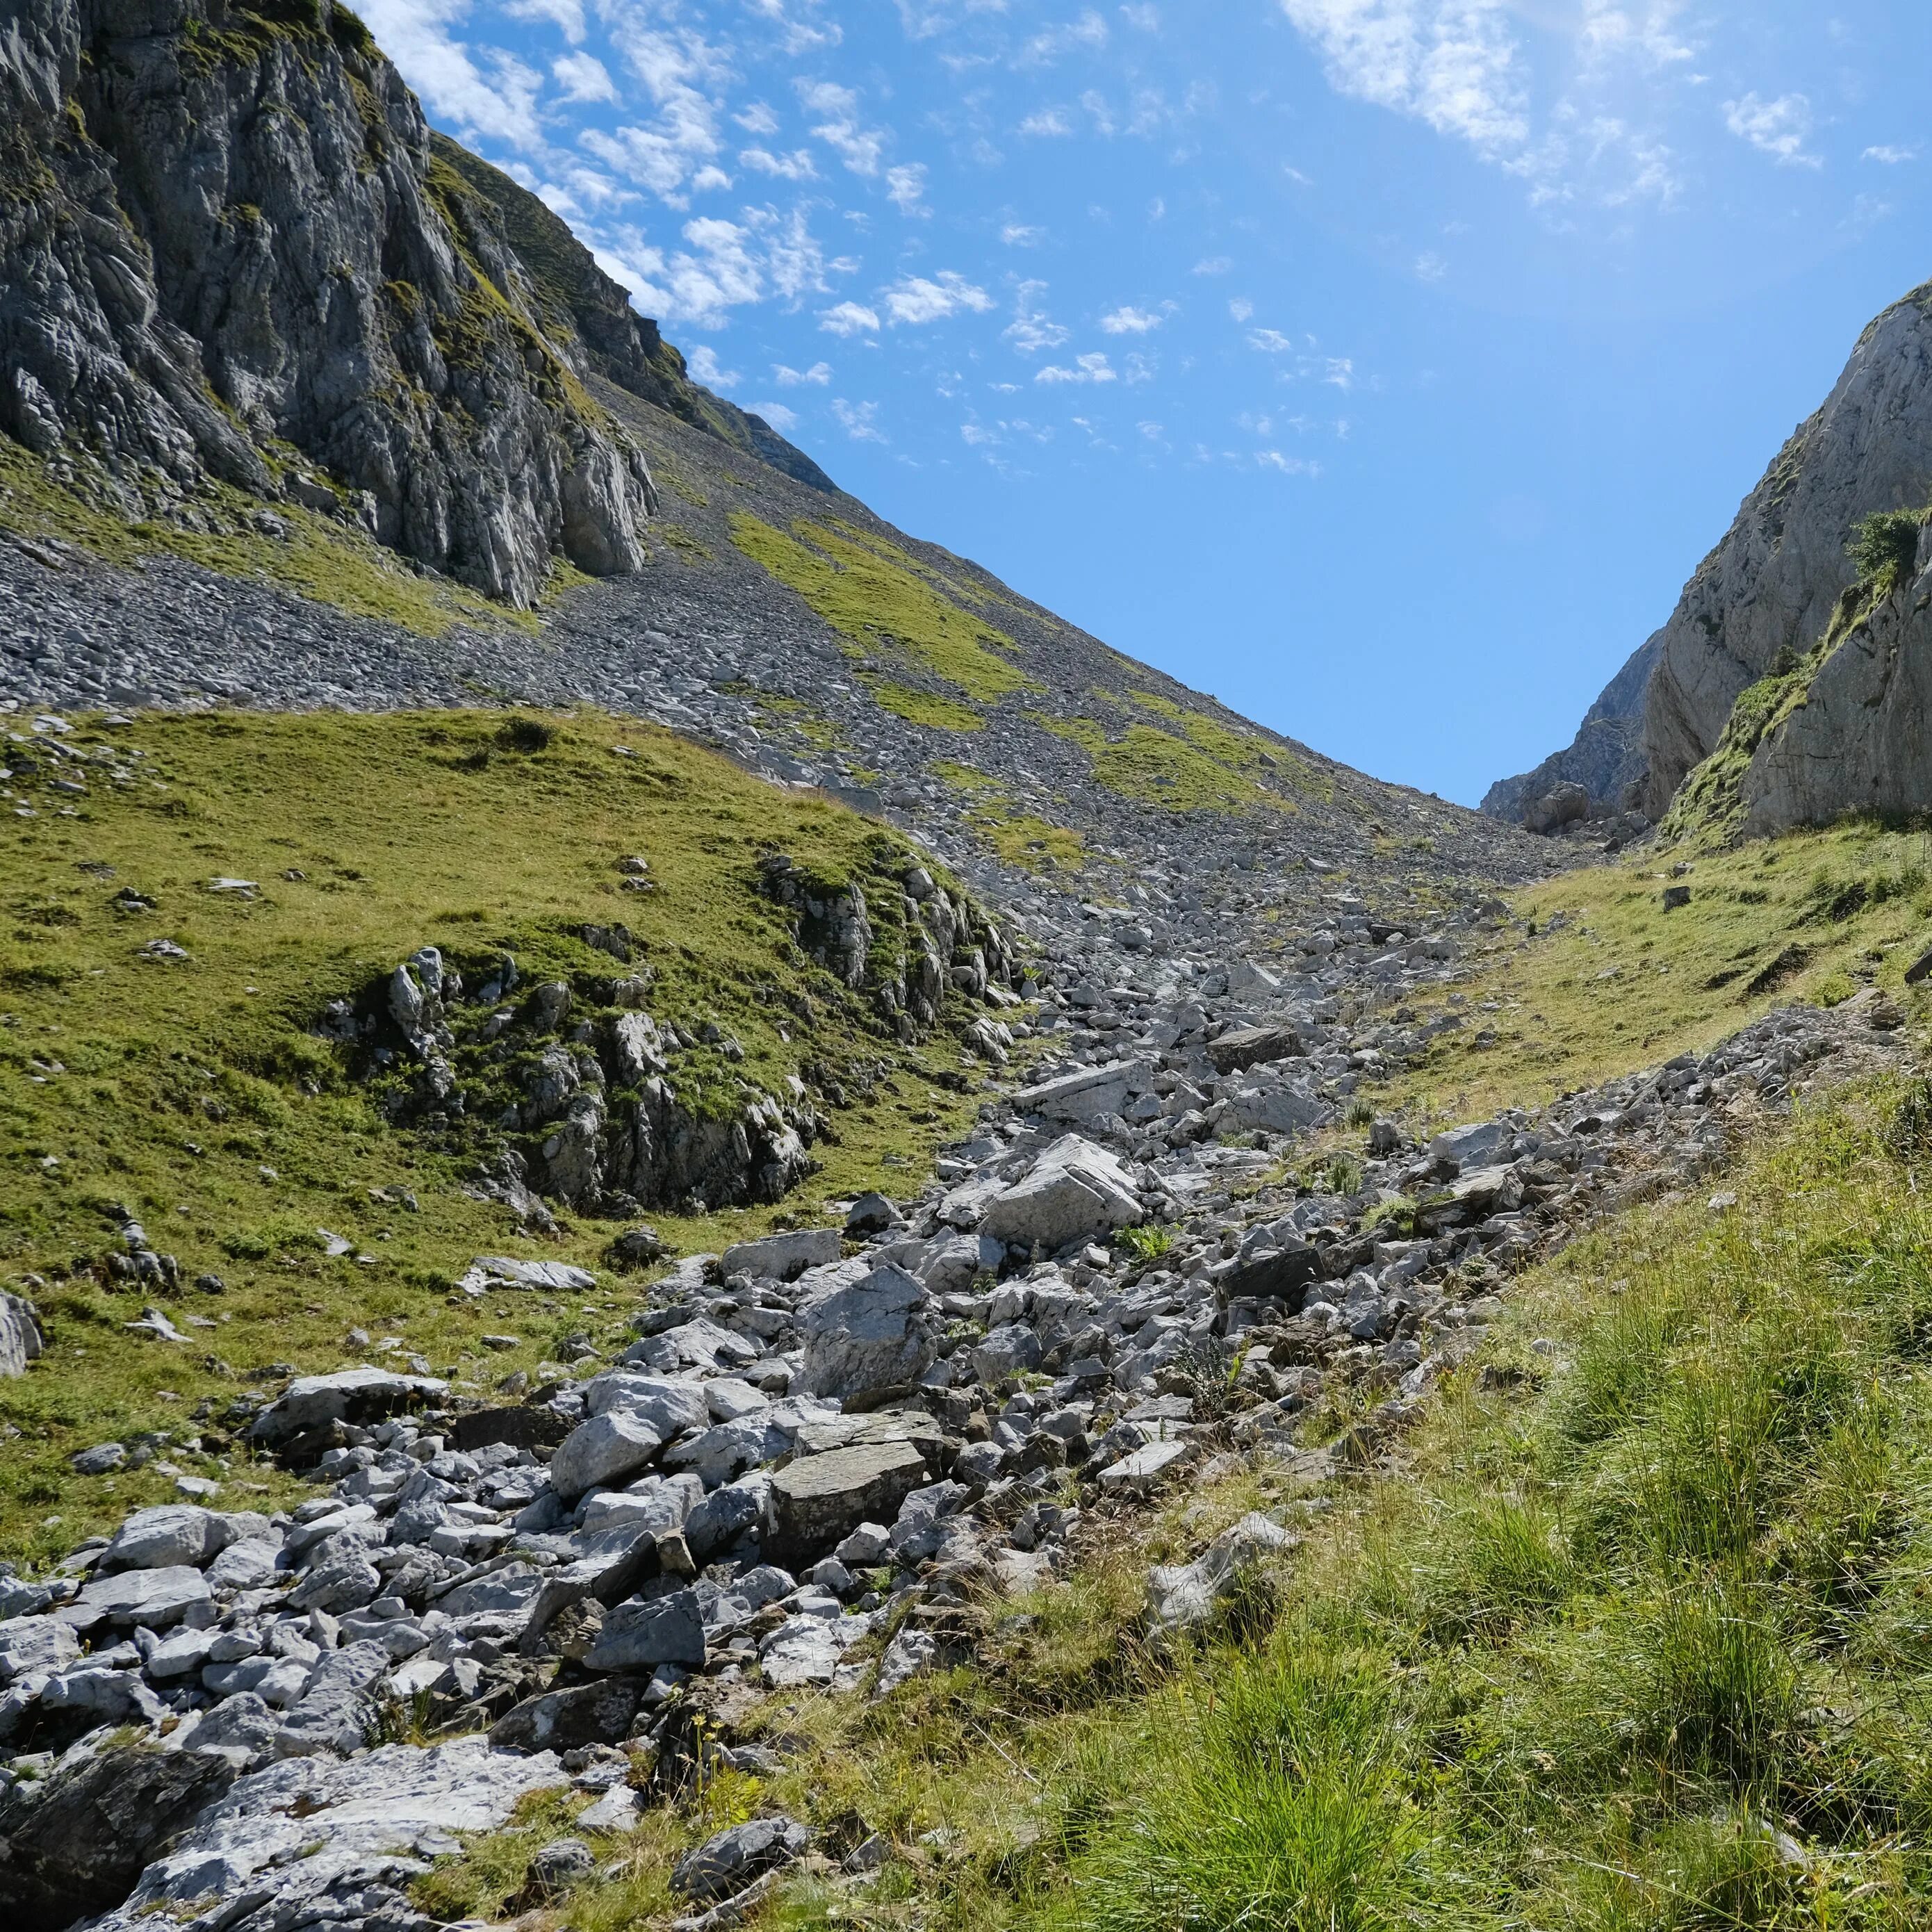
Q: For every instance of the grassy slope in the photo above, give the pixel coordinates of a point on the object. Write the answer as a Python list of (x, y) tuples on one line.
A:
[(406, 836), (1638, 1641), (1611, 982)]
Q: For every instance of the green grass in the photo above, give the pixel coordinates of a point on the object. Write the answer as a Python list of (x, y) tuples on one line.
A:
[(861, 587), (319, 558), (1240, 750), (1022, 838), (1611, 982), (924, 708), (196, 1094), (1157, 768)]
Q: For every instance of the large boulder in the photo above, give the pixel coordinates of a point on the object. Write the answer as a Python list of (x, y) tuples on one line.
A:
[(1076, 1191), (169, 1534), (608, 1448), (587, 1714), (817, 1502), (156, 1599), (727, 1864), (351, 1396), (872, 1336), (76, 1843), (646, 1632), (784, 1257), (1080, 1099)]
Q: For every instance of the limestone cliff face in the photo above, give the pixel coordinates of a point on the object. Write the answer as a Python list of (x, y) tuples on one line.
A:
[(1771, 587), (1605, 757), (226, 245)]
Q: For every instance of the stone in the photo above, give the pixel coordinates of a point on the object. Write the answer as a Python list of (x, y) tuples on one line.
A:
[(725, 1516), (300, 1841), (29, 1644), (106, 1697), (77, 1842), (500, 1271), (1186, 1597), (870, 1214), (641, 1634), (912, 1653), (869, 1338), (1012, 1350), (154, 1598), (1568, 804), (1479, 1144), (339, 1709), (246, 1565), (818, 1502), (562, 1721), (1241, 1047), (22, 1339), (559, 1864), (172, 1534), (784, 1257), (345, 1583), (510, 1589), (1076, 1192), (97, 1461), (1140, 1470), (357, 1396), (619, 1811), (606, 1449), (803, 1650), (1081, 1099), (669, 1405), (731, 1860)]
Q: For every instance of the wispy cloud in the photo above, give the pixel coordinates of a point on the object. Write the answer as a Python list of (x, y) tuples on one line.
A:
[(784, 420), (584, 77), (1890, 157), (916, 300), (905, 188), (1088, 32), (1032, 331), (1213, 265), (1021, 234), (1050, 124), (1131, 322), (859, 421), (861, 149), (849, 318), (1093, 368), (795, 166), (1779, 128), (818, 375), (703, 364)]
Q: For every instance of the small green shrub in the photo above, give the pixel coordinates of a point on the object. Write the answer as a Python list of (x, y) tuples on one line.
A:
[(1884, 547), (1144, 1244)]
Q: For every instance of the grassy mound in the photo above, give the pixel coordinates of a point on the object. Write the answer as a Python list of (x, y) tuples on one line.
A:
[(193, 1092)]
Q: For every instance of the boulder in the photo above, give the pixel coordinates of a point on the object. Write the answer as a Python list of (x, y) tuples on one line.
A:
[(1568, 804), (21, 1340), (784, 1257), (1241, 1047), (1185, 1597), (156, 1599), (726, 1515), (645, 1632), (76, 1843), (172, 1534), (1080, 1099), (589, 1714), (867, 1339), (608, 1449), (339, 1709), (30, 1644), (489, 1271), (668, 1404), (729, 1862), (817, 1500), (1478, 1144), (1076, 1191), (351, 1395)]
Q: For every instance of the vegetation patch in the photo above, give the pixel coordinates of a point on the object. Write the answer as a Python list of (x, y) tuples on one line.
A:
[(925, 708), (1157, 768), (1022, 838), (195, 1095), (883, 607)]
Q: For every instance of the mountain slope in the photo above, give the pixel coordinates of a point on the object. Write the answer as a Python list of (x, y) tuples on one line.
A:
[(1770, 595)]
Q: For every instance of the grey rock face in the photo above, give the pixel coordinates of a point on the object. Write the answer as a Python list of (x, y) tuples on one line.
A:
[(188, 278), (77, 1844), (641, 1635), (729, 1862), (817, 1500), (606, 1449), (865, 1338), (1606, 758), (21, 1340)]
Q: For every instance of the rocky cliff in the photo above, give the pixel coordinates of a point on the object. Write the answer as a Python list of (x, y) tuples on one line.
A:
[(1605, 757), (230, 256), (1765, 600)]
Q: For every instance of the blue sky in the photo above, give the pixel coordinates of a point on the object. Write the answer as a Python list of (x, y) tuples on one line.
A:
[(1383, 367)]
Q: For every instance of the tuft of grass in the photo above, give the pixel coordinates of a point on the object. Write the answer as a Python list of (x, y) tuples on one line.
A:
[(924, 708), (1157, 768), (1022, 838)]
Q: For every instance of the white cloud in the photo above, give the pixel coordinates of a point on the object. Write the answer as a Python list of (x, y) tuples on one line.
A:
[(794, 166), (567, 15), (703, 365), (797, 36), (757, 118), (818, 375), (1144, 19), (1213, 265), (905, 188), (784, 421), (1019, 234), (583, 77), (1454, 64), (1131, 322), (1269, 341), (1890, 157), (793, 259), (1779, 128), (663, 155), (1049, 123), (1611, 31), (1430, 267), (859, 421), (849, 318), (501, 105), (1032, 330), (1241, 309), (1088, 32), (1289, 465), (1093, 368), (918, 299), (860, 149)]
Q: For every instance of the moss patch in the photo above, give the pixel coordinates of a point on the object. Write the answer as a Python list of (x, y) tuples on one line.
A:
[(1157, 768), (922, 707)]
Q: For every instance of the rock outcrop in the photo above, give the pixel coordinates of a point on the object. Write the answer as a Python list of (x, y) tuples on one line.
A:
[(229, 256), (1763, 603)]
